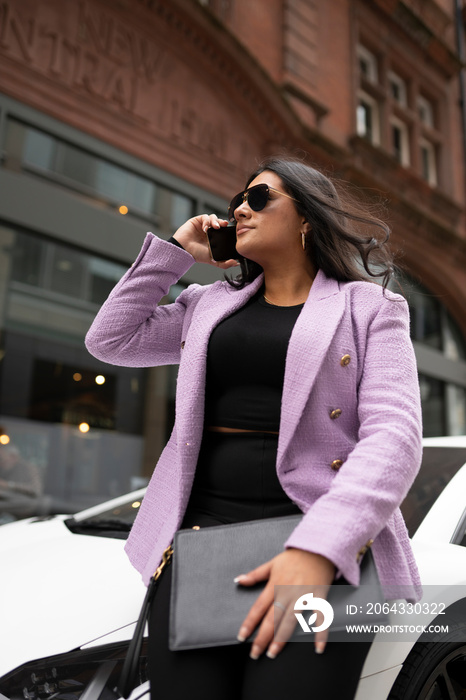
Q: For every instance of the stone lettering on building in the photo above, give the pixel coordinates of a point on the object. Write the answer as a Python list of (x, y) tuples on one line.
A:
[(89, 50)]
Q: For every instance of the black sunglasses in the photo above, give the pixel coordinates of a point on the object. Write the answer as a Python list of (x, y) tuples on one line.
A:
[(257, 197)]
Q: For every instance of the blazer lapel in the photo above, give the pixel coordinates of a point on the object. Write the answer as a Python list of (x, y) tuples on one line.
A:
[(309, 342)]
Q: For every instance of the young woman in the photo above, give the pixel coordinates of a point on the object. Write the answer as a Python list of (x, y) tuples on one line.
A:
[(297, 393)]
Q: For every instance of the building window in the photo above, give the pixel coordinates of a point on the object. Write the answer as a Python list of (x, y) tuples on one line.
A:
[(59, 269), (433, 406), (368, 65), (426, 111), (456, 409), (400, 141), (78, 421), (368, 119), (443, 407), (437, 341), (426, 315), (392, 110), (431, 322), (398, 89), (97, 178), (454, 345), (428, 162)]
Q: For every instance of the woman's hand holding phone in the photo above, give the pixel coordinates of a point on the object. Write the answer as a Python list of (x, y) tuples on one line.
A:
[(192, 235)]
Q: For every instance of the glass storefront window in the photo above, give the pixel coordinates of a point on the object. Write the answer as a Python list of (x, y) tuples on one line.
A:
[(454, 344), (73, 395), (125, 187), (75, 164), (67, 271), (31, 148), (39, 149), (433, 405), (443, 407), (27, 260), (425, 318), (181, 210), (443, 402), (431, 322), (456, 409), (73, 425), (83, 440), (103, 276), (61, 269)]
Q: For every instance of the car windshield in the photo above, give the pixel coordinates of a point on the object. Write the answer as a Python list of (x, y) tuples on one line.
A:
[(439, 466), (123, 513), (112, 522)]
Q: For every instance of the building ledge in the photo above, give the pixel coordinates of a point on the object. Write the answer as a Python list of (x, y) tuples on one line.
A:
[(416, 27), (291, 89)]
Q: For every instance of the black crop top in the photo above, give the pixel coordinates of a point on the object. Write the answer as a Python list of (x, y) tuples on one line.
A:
[(246, 366)]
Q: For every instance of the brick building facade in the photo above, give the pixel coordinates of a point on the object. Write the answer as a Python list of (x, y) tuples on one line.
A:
[(121, 117)]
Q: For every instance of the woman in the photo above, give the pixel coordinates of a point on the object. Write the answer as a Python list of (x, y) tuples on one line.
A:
[(297, 392)]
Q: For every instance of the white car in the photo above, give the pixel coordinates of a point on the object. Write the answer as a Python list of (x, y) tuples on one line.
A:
[(69, 598)]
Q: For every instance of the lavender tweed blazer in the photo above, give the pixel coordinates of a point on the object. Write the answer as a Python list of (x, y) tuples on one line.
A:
[(363, 410)]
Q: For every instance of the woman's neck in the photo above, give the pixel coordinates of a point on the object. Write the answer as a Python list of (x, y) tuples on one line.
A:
[(287, 289)]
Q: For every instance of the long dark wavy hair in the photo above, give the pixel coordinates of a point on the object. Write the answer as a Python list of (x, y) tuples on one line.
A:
[(346, 241)]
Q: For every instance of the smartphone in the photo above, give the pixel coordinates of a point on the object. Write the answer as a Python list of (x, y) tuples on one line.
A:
[(222, 243)]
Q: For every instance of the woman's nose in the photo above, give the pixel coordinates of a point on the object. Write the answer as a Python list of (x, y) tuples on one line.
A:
[(243, 210)]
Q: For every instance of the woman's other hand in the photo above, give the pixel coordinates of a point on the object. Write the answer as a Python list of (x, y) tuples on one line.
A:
[(294, 568), (192, 236)]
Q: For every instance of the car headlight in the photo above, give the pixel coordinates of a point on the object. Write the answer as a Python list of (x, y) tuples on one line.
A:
[(68, 676)]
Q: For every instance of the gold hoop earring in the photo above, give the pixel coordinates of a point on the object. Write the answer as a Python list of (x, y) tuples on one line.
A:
[(303, 240)]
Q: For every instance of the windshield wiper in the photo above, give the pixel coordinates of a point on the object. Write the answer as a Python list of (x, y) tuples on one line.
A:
[(110, 524)]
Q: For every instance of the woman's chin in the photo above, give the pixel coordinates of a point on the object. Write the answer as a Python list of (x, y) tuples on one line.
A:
[(247, 252)]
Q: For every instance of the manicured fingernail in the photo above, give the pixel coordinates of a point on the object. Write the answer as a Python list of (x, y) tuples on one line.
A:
[(242, 634), (255, 653), (319, 647), (272, 651), (239, 578)]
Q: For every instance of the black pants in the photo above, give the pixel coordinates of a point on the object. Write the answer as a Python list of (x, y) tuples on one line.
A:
[(236, 481)]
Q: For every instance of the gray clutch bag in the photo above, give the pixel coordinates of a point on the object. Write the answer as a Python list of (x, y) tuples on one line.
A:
[(207, 607)]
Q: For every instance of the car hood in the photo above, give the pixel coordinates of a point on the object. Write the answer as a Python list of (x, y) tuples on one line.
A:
[(62, 590)]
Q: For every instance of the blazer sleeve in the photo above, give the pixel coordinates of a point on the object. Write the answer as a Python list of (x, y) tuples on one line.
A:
[(379, 471), (131, 329)]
